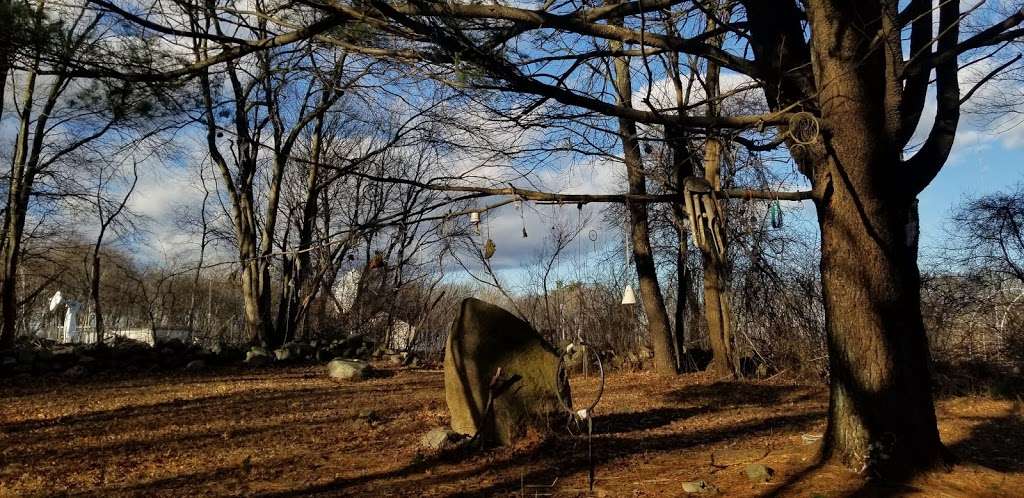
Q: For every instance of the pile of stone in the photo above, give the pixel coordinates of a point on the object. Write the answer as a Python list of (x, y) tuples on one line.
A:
[(34, 357)]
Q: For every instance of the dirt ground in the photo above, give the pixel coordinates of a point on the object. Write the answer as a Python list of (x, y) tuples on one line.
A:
[(292, 432)]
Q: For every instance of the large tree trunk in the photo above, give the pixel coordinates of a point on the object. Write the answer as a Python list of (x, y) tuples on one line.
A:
[(94, 291), (8, 286), (646, 272), (22, 178), (881, 413), (259, 324), (682, 167), (716, 289), (716, 295), (14, 224)]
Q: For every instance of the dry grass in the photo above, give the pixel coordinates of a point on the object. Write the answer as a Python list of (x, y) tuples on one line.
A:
[(291, 432)]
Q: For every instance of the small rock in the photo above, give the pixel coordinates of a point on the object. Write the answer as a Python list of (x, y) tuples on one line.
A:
[(300, 350), (86, 360), (441, 439), (339, 369), (8, 362), (257, 357), (759, 473), (396, 359), (699, 487), (195, 366), (283, 354)]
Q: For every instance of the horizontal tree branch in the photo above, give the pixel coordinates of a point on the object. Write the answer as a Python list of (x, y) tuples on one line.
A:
[(536, 195)]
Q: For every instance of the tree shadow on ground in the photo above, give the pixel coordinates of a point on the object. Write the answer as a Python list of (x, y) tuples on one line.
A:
[(733, 394), (552, 459), (995, 443), (617, 423)]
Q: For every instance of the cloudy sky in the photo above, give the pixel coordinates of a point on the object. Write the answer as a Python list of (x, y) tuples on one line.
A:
[(986, 158)]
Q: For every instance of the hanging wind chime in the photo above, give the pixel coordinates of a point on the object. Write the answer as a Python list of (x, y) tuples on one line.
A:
[(489, 246), (522, 215), (628, 296)]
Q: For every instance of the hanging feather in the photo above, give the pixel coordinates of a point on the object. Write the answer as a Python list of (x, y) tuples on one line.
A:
[(489, 249)]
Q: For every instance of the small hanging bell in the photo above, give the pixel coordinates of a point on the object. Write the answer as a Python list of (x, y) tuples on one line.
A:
[(628, 297), (489, 249), (474, 218)]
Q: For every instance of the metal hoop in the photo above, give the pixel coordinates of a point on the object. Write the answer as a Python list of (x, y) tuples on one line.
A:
[(561, 370)]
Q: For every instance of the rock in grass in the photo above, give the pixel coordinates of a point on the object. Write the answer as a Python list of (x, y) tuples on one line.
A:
[(441, 439), (257, 357), (483, 339), (699, 487), (195, 366), (339, 369), (759, 473)]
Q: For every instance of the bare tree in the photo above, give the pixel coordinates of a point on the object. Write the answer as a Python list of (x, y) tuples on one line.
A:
[(57, 115)]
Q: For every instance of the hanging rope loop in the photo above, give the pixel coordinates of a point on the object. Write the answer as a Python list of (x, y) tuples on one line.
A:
[(803, 128)]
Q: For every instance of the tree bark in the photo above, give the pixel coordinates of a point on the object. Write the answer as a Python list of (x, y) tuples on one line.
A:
[(11, 253), (643, 258), (682, 167), (716, 289), (716, 292), (881, 412), (22, 178)]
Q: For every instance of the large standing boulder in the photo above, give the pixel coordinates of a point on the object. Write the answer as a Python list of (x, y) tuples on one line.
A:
[(483, 339)]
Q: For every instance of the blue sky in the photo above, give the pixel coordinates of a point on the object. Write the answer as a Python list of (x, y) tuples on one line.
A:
[(984, 161)]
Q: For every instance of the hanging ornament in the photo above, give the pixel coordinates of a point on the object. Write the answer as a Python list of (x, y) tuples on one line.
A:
[(522, 216), (775, 213), (489, 249), (628, 296), (474, 218), (377, 261)]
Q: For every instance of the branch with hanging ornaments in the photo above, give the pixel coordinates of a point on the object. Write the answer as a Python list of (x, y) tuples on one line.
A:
[(519, 194)]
